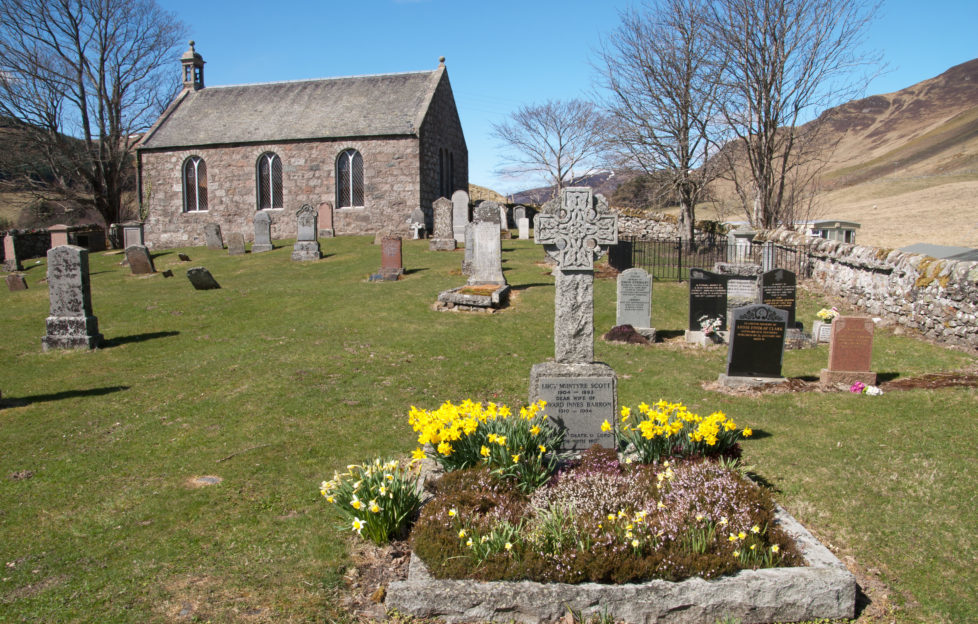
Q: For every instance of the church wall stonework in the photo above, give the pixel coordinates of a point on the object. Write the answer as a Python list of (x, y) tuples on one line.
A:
[(442, 129), (392, 188)]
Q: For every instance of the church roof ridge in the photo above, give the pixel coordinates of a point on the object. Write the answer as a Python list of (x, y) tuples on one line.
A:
[(323, 79)]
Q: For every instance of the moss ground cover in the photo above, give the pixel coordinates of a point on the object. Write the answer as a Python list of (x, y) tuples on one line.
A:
[(294, 370)]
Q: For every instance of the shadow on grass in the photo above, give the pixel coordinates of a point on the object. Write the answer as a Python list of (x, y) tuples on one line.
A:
[(759, 434), (527, 286), (58, 396), (413, 271), (807, 378), (666, 334), (881, 377), (121, 340)]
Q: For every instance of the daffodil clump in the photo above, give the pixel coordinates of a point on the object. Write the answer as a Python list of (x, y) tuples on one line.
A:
[(666, 430), (521, 447), (378, 499)]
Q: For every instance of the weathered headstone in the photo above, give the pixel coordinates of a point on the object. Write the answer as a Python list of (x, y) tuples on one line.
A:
[(139, 260), (580, 393), (469, 248), (487, 267), (756, 348), (460, 215), (417, 223), (635, 301), (183, 257), (519, 212), (212, 236), (16, 281), (325, 221), (779, 290), (132, 234), (850, 352), (503, 218), (742, 284), (263, 233), (391, 263), (59, 235), (443, 238), (202, 279), (236, 244), (769, 260), (71, 324), (524, 227), (11, 261), (707, 299), (821, 331), (306, 242)]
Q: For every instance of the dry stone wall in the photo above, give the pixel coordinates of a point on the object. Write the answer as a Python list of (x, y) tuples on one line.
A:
[(937, 297)]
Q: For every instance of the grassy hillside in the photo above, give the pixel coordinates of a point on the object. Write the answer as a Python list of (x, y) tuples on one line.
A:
[(293, 370)]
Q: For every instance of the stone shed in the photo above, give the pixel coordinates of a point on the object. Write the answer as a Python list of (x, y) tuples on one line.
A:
[(365, 150)]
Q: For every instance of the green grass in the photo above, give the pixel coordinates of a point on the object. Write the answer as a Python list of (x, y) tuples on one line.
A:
[(292, 370)]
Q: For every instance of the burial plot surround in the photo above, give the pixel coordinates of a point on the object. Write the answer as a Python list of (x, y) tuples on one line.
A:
[(580, 393)]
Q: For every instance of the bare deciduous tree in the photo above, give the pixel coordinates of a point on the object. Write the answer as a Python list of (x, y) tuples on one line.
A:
[(663, 76), (559, 139), (787, 60), (81, 78)]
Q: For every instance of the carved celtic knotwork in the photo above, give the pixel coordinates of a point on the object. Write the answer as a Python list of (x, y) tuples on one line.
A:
[(574, 235)]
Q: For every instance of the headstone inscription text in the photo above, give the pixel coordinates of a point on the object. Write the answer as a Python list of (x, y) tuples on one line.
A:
[(579, 404)]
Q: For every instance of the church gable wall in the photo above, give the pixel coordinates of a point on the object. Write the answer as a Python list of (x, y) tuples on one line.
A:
[(442, 129)]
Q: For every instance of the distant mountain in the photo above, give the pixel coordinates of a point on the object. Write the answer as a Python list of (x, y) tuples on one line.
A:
[(604, 182)]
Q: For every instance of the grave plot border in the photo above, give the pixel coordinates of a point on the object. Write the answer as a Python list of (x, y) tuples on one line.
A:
[(822, 589)]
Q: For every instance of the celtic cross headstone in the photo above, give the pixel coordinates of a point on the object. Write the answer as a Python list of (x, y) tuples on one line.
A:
[(580, 393)]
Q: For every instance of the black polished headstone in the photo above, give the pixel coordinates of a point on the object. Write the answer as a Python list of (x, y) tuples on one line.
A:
[(778, 290), (756, 341), (707, 297)]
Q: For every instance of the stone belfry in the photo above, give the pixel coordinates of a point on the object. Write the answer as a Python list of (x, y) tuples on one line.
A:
[(193, 69)]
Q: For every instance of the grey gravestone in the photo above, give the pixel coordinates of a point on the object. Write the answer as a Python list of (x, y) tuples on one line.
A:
[(391, 263), (460, 215), (183, 257), (140, 262), (524, 226), (417, 223), (306, 242), (768, 260), (71, 324), (443, 238), (202, 279), (580, 393), (779, 290), (236, 244), (635, 300), (263, 233), (519, 212), (486, 267), (503, 219), (16, 281), (850, 351), (212, 235), (469, 248), (132, 234), (707, 298), (821, 331), (756, 342)]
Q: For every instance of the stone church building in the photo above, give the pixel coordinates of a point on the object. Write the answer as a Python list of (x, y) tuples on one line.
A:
[(365, 150)]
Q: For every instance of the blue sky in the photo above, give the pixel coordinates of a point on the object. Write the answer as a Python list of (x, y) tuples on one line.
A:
[(500, 53)]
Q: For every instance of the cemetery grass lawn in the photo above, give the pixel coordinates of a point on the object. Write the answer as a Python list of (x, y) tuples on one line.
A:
[(293, 370)]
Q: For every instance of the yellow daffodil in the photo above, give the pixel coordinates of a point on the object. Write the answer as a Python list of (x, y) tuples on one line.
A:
[(741, 535), (634, 543), (508, 546), (418, 453), (356, 503), (755, 529), (748, 432), (534, 430), (374, 507), (625, 413), (484, 451), (469, 543), (775, 549), (516, 458), (452, 512), (542, 448), (732, 538), (736, 553), (606, 426), (358, 525), (461, 533)]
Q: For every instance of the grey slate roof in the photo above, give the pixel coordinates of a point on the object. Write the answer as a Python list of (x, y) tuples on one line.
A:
[(943, 252), (358, 106)]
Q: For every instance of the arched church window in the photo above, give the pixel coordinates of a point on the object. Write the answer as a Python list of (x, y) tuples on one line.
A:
[(194, 185), (269, 174), (349, 179)]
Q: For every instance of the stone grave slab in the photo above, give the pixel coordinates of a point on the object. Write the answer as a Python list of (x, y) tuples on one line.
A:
[(391, 262), (132, 234), (523, 224), (70, 324), (756, 349), (15, 282), (469, 249), (202, 279), (779, 290), (634, 301), (263, 233), (580, 397), (850, 352), (519, 212), (306, 243), (460, 215), (212, 236), (236, 244), (707, 300), (139, 260), (326, 220), (821, 331), (443, 238)]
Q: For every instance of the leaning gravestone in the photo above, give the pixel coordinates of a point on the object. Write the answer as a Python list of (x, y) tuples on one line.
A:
[(707, 301), (850, 352), (263, 233), (236, 244), (139, 260), (391, 264), (15, 282), (443, 239), (634, 303), (202, 279), (487, 264), (71, 324), (212, 235), (580, 393), (756, 348), (779, 290), (306, 242), (460, 215), (524, 227)]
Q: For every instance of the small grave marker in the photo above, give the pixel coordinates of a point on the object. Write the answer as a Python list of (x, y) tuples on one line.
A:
[(306, 242), (850, 351), (391, 264), (707, 299), (756, 344), (443, 239), (460, 215), (236, 244), (212, 236), (139, 260), (779, 290), (263, 233), (487, 267), (202, 279), (16, 281), (524, 228), (634, 302)]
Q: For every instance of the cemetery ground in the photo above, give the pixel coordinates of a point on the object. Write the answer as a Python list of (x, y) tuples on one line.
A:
[(293, 370)]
